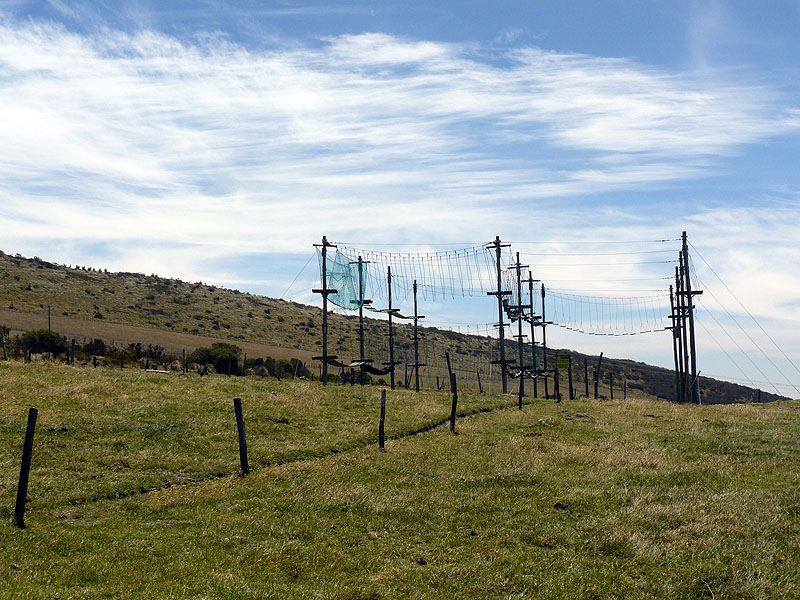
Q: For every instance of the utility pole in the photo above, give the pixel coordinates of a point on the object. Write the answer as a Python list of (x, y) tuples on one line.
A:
[(324, 291), (417, 317), (517, 310), (675, 336), (544, 344), (391, 312), (533, 318), (498, 246), (681, 397), (684, 333), (361, 302), (695, 388)]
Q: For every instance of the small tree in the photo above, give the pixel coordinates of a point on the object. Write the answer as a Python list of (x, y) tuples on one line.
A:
[(220, 355), (37, 342)]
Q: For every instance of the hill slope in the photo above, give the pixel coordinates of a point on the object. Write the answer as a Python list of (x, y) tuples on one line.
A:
[(88, 300)]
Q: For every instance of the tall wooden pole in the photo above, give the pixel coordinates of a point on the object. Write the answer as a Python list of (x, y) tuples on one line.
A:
[(391, 328), (361, 356), (695, 387), (416, 339), (679, 335), (544, 343), (324, 310), (684, 337), (530, 282), (674, 330), (325, 292), (520, 346), (498, 246)]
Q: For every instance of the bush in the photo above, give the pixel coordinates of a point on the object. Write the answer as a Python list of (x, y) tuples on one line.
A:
[(37, 342), (219, 355), (95, 347)]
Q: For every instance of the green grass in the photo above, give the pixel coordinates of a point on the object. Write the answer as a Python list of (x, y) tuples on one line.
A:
[(105, 433), (582, 499)]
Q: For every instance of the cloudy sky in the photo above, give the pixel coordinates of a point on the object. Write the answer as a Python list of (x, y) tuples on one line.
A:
[(218, 140)]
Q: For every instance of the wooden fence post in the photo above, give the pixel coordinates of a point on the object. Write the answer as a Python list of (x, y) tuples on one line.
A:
[(25, 469), (557, 383), (381, 433), (5, 353), (586, 374), (185, 366), (480, 386), (237, 406), (569, 373), (454, 406), (597, 376)]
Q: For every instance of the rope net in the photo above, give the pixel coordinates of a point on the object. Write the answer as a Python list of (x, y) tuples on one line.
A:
[(360, 273), (445, 278)]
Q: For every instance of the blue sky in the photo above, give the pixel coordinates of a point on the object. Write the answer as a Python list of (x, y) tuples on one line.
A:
[(217, 141)]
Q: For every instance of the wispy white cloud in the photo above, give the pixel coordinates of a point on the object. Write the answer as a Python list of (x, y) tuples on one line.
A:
[(207, 136)]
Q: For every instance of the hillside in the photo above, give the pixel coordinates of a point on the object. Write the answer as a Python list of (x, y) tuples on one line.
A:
[(88, 302), (135, 493)]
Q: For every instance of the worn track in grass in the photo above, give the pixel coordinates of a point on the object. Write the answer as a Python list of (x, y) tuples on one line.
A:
[(358, 445)]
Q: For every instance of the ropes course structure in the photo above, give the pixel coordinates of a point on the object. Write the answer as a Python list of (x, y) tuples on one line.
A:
[(564, 288), (391, 285)]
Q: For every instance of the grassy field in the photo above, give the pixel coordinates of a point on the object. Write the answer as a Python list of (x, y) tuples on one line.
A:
[(105, 433), (581, 499)]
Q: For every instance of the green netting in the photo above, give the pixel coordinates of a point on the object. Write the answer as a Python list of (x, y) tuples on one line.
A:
[(344, 278)]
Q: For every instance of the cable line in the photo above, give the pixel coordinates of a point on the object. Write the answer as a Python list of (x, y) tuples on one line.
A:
[(746, 355), (594, 253), (711, 335), (310, 258), (749, 337), (745, 310)]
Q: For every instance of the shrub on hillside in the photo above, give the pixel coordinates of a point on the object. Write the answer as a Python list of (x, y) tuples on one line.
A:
[(219, 355), (37, 342)]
